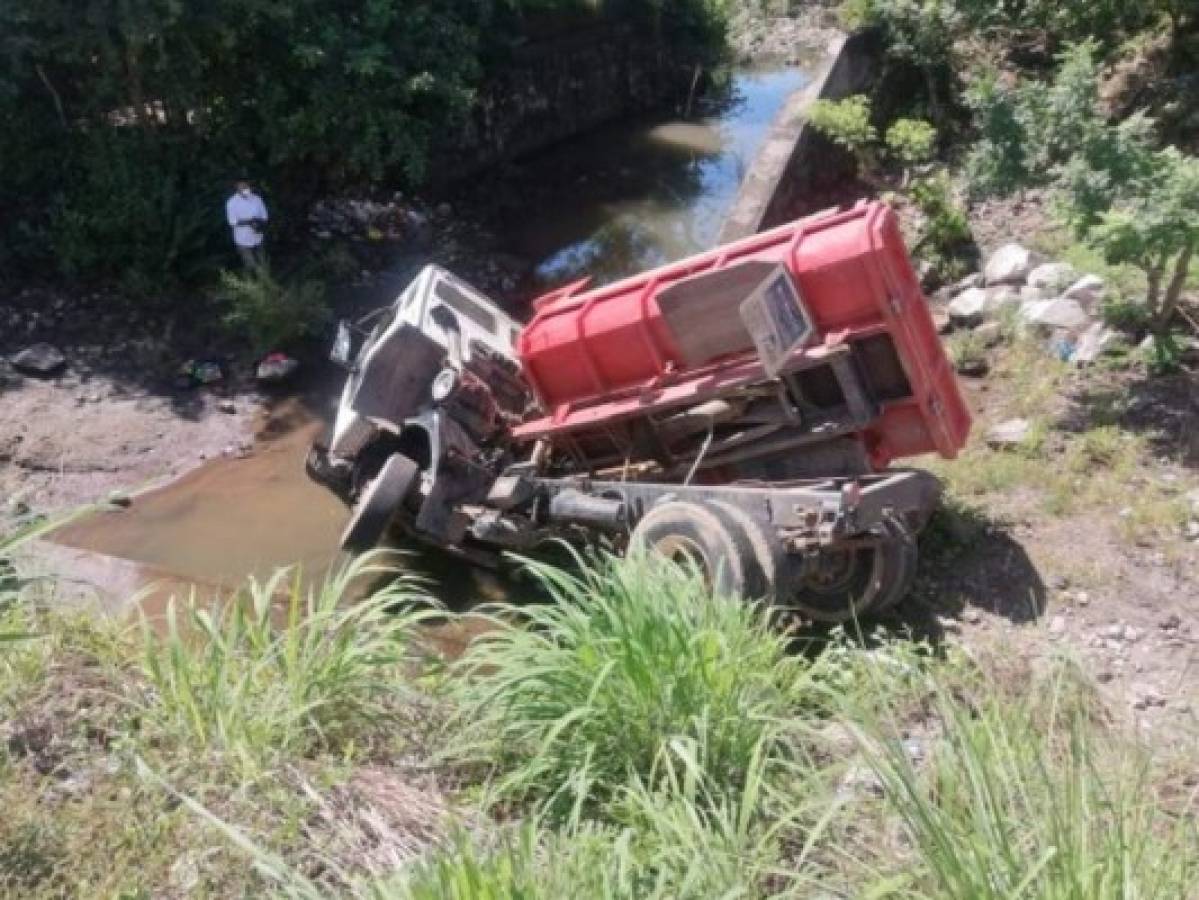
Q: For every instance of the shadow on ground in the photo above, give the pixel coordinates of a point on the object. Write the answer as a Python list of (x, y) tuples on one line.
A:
[(1164, 409)]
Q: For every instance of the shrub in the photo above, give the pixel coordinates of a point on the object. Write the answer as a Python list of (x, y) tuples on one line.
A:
[(911, 141), (227, 678), (629, 656), (268, 314), (845, 122)]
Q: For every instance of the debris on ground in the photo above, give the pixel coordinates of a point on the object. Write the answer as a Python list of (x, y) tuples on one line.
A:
[(41, 359), (276, 367), (1011, 433), (195, 372)]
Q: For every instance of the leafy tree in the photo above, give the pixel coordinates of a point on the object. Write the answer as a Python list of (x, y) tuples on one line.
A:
[(125, 120), (1138, 204)]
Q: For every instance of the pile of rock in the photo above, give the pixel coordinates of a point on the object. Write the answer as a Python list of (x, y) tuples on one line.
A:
[(373, 220), (1049, 298)]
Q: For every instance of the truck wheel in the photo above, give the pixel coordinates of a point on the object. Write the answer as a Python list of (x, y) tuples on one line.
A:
[(899, 581), (853, 582), (697, 535), (766, 560), (378, 503)]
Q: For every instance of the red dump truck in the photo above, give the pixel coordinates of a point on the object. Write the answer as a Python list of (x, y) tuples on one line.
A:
[(739, 409)]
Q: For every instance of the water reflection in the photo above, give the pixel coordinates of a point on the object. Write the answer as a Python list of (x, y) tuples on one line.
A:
[(637, 195)]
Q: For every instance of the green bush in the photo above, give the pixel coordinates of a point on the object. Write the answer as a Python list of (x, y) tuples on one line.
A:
[(270, 315), (630, 656), (1134, 203), (845, 122), (911, 141), (279, 669)]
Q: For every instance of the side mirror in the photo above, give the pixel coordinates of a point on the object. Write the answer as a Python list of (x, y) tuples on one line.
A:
[(342, 345)]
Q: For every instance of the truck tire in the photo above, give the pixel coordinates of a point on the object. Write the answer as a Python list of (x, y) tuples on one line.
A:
[(899, 579), (378, 503), (766, 554), (854, 582), (699, 535)]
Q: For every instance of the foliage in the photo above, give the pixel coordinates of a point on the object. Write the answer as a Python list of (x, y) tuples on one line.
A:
[(911, 141), (946, 225), (268, 314), (945, 238), (150, 109), (229, 678), (845, 122), (630, 656), (1134, 203), (1164, 354)]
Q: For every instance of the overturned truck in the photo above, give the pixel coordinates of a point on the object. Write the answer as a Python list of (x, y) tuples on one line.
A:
[(739, 409)]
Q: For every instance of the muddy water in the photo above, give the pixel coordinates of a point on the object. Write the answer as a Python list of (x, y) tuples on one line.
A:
[(229, 519), (632, 196)]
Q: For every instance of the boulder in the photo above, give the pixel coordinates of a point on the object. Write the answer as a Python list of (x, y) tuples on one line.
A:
[(1091, 343), (973, 280), (1087, 290), (1001, 298), (1028, 294), (968, 308), (1011, 433), (40, 359), (1010, 264), (1052, 277), (1031, 309), (1059, 313)]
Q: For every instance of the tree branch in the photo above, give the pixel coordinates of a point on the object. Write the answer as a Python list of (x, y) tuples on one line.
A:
[(41, 73)]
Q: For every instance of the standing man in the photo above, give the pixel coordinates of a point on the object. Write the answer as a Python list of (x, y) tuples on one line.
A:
[(247, 217)]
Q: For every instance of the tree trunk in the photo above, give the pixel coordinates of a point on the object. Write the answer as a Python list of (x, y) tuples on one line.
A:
[(1178, 281), (934, 99)]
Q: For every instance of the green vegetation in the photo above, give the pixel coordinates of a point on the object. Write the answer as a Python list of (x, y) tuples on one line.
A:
[(126, 123), (640, 738), (229, 680), (845, 122), (1136, 204), (268, 314), (628, 657)]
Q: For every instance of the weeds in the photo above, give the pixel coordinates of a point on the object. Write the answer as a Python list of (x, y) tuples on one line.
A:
[(271, 315), (228, 678), (629, 656), (1028, 798)]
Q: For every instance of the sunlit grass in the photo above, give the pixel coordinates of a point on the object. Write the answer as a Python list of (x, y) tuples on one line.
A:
[(1029, 796), (629, 656), (280, 669)]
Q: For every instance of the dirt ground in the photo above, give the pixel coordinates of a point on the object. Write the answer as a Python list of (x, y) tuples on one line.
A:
[(79, 437)]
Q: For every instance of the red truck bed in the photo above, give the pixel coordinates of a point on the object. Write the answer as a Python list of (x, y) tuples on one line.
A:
[(598, 356)]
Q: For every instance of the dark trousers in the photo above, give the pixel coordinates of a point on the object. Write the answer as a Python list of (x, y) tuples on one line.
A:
[(252, 257)]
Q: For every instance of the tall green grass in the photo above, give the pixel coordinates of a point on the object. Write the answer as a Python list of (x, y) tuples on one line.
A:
[(629, 656), (280, 668), (1029, 797)]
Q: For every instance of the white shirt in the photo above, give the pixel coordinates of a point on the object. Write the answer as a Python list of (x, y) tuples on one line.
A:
[(248, 207)]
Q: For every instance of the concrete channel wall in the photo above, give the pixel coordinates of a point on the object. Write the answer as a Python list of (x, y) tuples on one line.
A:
[(795, 163)]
